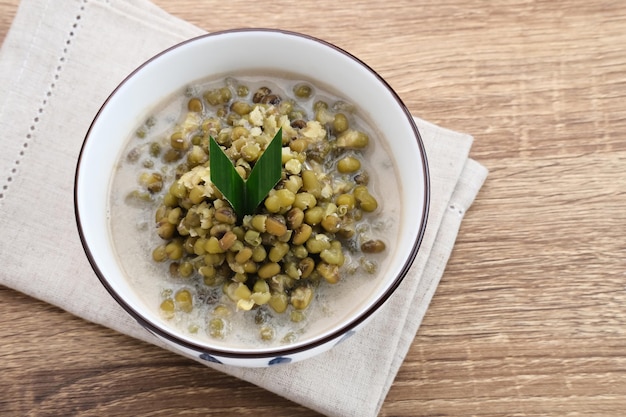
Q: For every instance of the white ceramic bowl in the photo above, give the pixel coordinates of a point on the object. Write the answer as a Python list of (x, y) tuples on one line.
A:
[(226, 53)]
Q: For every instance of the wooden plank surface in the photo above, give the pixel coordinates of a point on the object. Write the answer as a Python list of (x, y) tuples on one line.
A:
[(530, 316)]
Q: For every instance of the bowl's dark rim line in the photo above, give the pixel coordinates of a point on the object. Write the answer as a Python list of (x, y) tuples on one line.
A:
[(267, 353)]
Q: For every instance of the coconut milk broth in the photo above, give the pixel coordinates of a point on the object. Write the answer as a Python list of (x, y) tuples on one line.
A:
[(134, 235)]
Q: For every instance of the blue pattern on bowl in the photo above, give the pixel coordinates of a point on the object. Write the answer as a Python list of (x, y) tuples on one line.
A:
[(209, 358), (279, 360), (346, 336)]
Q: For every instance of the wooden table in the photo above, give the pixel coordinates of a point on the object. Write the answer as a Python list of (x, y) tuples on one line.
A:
[(530, 316)]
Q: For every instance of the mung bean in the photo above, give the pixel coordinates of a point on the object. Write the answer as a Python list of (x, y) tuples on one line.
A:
[(297, 236)]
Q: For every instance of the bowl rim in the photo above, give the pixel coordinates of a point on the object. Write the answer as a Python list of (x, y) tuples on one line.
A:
[(278, 350)]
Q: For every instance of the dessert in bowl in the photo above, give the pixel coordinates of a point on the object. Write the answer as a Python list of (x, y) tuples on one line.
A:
[(221, 259)]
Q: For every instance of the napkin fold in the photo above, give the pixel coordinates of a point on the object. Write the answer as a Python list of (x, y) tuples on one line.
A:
[(58, 63)]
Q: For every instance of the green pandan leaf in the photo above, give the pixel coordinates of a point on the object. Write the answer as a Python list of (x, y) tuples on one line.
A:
[(265, 174), (245, 195), (226, 178)]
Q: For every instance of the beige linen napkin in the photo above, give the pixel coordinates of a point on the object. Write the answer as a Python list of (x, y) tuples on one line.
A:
[(58, 63)]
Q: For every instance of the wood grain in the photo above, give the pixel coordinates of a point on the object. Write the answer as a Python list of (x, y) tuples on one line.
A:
[(530, 316)]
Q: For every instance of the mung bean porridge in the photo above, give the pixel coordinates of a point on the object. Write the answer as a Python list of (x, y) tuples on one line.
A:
[(314, 245)]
